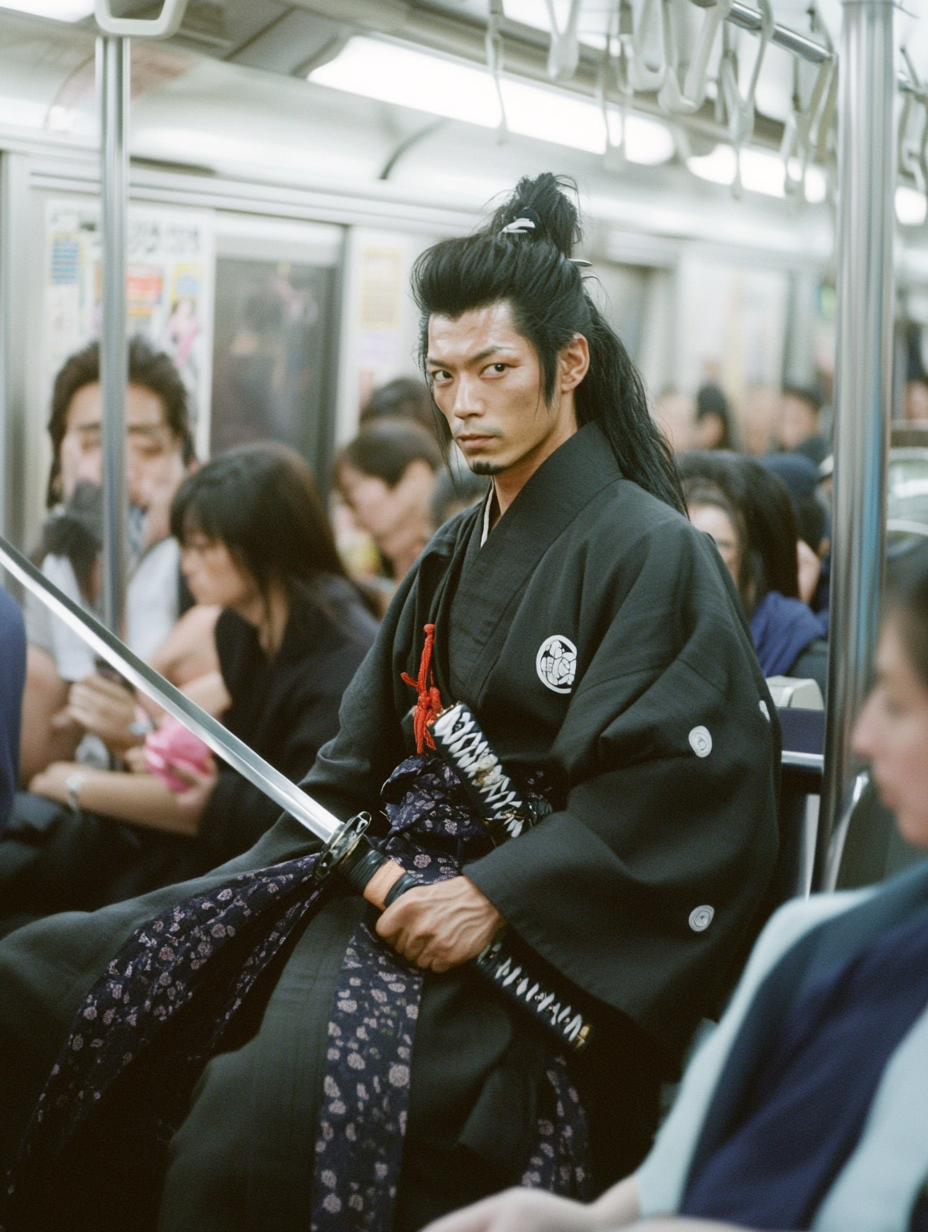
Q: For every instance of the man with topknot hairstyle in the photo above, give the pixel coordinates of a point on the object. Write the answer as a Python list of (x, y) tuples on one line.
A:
[(339, 1070)]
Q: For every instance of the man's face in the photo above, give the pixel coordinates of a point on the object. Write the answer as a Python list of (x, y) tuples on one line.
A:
[(487, 382), (153, 455)]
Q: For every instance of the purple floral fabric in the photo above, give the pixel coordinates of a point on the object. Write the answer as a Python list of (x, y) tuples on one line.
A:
[(175, 962)]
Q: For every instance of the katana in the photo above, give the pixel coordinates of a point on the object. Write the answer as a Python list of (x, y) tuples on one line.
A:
[(345, 849)]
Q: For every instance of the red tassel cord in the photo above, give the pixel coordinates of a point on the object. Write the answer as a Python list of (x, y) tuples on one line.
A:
[(428, 702)]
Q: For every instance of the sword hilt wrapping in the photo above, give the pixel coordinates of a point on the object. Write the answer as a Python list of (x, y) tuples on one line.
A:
[(350, 855), (503, 808)]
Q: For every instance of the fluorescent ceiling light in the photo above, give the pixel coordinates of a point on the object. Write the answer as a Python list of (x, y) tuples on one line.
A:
[(60, 10), (445, 87), (761, 172), (911, 206)]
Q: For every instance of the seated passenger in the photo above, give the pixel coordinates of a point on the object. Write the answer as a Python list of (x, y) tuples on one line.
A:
[(800, 428), (813, 523), (387, 476), (160, 452), (748, 512), (293, 630), (808, 1106)]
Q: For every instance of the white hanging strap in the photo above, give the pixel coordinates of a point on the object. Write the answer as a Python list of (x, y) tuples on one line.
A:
[(741, 108), (614, 155), (913, 136), (692, 95), (797, 134), (494, 47), (166, 24), (643, 76), (564, 55)]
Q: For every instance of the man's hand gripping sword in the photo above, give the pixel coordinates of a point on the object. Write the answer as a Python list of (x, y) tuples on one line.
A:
[(346, 851)]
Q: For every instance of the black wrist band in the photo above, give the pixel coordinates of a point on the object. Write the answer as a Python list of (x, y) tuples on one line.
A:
[(400, 886), (360, 866)]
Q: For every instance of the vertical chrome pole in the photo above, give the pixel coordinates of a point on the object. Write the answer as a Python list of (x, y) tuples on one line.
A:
[(863, 381), (113, 87)]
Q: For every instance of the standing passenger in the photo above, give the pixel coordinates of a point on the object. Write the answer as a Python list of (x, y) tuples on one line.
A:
[(595, 636)]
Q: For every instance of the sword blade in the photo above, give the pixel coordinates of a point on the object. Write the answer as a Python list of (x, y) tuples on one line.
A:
[(302, 807)]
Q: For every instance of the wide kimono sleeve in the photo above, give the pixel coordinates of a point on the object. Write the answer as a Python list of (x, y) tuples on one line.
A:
[(648, 886), (351, 769)]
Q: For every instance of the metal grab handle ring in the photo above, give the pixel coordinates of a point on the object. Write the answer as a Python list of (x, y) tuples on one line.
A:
[(163, 26)]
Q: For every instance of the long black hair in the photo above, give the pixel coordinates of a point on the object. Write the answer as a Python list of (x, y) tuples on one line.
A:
[(262, 502), (532, 272), (767, 508)]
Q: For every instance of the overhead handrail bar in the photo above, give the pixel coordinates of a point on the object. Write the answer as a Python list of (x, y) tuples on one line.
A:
[(166, 24), (740, 14)]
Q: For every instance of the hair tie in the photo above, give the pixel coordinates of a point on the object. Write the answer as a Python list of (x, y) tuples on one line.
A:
[(526, 220)]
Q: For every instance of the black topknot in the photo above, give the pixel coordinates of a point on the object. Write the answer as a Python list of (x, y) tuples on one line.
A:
[(546, 196)]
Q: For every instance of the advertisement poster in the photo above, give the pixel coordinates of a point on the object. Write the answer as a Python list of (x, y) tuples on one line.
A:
[(169, 291)]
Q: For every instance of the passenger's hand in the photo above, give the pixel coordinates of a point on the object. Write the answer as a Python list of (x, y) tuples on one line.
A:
[(440, 926), (105, 708), (135, 760), (193, 800), (52, 782), (521, 1210), (155, 489)]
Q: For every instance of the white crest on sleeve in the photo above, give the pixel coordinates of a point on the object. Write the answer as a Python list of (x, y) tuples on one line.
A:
[(700, 741), (701, 918), (556, 663)]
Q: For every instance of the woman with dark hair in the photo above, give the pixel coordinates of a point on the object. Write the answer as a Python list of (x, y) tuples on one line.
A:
[(371, 1080), (749, 513), (807, 1107), (256, 542)]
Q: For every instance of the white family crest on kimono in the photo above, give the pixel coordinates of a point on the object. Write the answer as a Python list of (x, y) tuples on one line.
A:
[(556, 663)]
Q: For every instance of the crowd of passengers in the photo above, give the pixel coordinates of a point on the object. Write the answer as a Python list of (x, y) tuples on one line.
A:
[(259, 602)]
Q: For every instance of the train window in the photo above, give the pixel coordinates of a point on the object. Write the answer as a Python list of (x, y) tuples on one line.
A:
[(272, 346)]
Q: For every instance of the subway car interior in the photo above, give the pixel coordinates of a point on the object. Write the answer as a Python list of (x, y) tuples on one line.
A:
[(239, 241)]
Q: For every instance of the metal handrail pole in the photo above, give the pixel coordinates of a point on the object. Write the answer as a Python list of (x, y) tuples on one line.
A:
[(113, 87), (863, 383)]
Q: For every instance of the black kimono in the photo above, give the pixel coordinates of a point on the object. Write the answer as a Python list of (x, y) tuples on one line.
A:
[(596, 635)]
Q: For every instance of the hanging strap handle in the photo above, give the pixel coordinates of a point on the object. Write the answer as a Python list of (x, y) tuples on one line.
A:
[(163, 26)]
